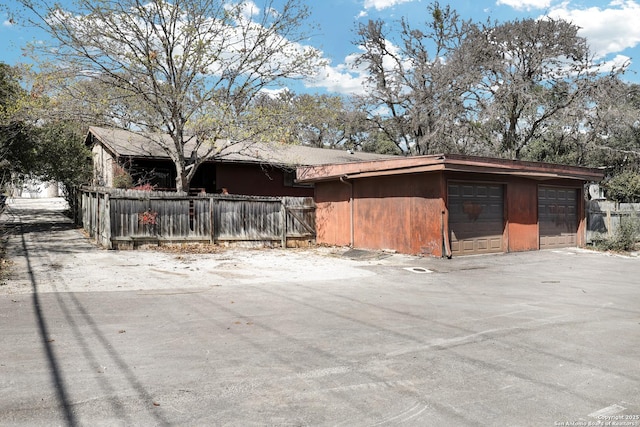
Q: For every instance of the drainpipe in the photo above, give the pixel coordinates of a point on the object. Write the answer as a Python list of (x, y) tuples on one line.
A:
[(343, 179), (445, 237)]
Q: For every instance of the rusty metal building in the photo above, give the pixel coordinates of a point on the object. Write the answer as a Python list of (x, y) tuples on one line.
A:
[(446, 205)]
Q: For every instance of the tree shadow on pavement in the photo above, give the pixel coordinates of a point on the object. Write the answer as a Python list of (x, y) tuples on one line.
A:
[(21, 226), (58, 380), (54, 232)]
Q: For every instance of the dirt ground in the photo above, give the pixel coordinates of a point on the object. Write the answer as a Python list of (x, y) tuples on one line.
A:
[(66, 249)]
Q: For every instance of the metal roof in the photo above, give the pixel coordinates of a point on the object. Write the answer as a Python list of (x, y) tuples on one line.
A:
[(448, 162), (123, 143)]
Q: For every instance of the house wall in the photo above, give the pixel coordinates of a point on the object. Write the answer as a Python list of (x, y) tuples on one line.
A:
[(257, 180), (103, 163), (237, 178), (333, 213), (402, 213), (159, 173), (521, 205), (520, 209)]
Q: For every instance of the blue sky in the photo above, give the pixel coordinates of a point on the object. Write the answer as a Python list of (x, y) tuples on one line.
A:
[(612, 29)]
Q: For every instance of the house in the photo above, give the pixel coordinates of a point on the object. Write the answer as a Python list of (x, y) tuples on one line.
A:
[(446, 205), (245, 168)]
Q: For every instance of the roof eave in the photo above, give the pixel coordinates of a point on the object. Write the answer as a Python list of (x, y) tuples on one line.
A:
[(441, 163)]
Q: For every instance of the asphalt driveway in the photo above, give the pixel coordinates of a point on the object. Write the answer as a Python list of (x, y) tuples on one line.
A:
[(311, 337)]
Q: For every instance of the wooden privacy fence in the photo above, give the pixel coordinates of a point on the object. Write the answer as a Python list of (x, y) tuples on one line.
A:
[(127, 218), (604, 218)]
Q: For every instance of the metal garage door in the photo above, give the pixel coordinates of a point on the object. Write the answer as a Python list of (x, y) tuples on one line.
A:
[(557, 217), (475, 218)]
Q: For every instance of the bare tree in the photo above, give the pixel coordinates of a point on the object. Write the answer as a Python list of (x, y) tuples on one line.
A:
[(615, 128), (528, 74), (415, 93), (187, 68), (490, 89)]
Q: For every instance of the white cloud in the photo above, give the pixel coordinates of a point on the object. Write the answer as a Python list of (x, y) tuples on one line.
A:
[(525, 4), (350, 78), (249, 10), (608, 30), (231, 45), (382, 4), (344, 78), (273, 93), (617, 62), (8, 22)]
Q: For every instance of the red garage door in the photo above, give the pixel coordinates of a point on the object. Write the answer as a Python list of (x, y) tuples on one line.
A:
[(476, 219), (557, 217)]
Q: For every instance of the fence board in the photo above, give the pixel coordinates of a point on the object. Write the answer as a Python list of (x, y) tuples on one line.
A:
[(247, 220), (301, 216), (111, 215)]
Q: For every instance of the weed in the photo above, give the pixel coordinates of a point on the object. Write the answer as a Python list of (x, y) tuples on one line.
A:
[(625, 237)]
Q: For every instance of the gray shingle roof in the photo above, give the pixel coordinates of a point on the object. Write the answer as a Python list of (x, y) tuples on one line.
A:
[(131, 144)]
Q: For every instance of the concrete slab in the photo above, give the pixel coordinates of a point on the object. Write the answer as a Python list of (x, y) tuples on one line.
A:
[(309, 337)]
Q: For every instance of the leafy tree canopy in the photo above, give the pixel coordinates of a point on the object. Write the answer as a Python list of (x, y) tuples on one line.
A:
[(35, 148), (624, 187)]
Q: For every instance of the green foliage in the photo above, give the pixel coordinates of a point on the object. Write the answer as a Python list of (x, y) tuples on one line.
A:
[(315, 120), (18, 151), (122, 178), (62, 155), (623, 187), (380, 143), (522, 89), (626, 236), (64, 158), (17, 143), (10, 91), (35, 148)]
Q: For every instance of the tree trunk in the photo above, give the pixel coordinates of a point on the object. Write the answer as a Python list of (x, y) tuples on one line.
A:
[(182, 180)]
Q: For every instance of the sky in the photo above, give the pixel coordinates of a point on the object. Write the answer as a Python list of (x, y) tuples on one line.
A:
[(612, 29)]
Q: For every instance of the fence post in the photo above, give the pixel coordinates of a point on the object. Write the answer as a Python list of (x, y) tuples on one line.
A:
[(212, 238), (107, 221), (283, 222)]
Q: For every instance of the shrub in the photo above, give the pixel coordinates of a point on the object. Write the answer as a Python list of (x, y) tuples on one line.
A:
[(144, 187), (122, 178), (626, 235)]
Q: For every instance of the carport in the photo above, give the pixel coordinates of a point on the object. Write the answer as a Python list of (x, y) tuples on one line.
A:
[(444, 205)]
